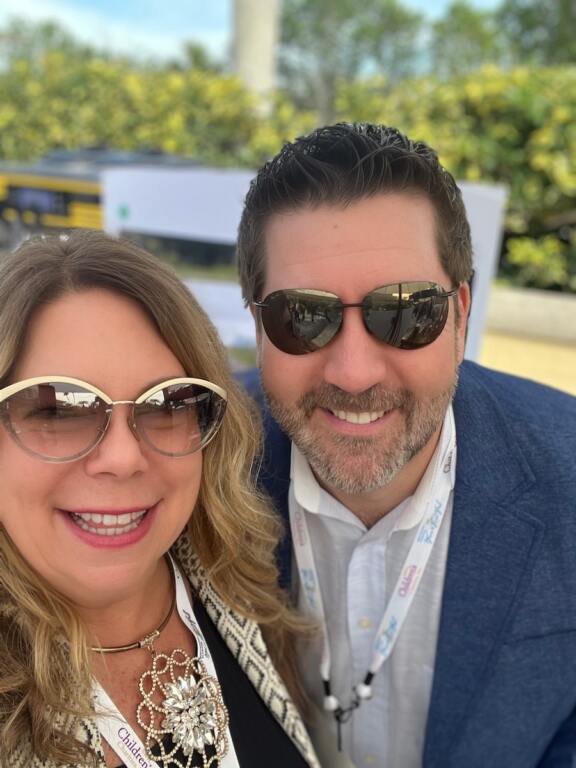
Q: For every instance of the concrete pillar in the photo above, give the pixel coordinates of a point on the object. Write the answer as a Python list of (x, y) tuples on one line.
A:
[(256, 36)]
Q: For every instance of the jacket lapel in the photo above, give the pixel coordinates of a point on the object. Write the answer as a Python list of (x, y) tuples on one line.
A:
[(492, 546)]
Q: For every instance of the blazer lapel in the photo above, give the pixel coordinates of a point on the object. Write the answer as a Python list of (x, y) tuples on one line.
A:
[(492, 545)]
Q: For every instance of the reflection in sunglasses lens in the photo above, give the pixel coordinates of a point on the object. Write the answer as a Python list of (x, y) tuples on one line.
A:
[(55, 420), (61, 421), (179, 419), (404, 315)]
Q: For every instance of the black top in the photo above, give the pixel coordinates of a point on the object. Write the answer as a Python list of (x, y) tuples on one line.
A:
[(259, 740)]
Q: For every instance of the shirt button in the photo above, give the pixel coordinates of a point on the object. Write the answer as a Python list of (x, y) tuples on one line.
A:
[(364, 623), (370, 759)]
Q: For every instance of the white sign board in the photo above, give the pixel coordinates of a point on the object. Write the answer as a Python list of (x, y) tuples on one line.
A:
[(205, 205), (485, 208), (223, 304), (190, 203)]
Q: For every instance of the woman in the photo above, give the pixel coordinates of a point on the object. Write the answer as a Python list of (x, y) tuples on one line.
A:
[(137, 575)]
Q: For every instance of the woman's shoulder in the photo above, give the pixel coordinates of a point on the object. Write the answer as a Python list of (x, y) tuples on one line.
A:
[(85, 732)]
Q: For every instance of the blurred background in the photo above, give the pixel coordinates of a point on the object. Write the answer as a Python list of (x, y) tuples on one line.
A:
[(198, 95)]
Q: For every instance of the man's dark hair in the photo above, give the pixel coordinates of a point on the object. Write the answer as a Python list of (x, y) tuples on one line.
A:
[(338, 165)]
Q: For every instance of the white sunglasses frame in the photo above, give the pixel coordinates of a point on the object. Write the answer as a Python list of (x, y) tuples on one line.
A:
[(19, 386)]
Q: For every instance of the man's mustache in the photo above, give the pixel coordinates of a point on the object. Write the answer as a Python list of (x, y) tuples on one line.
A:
[(377, 398)]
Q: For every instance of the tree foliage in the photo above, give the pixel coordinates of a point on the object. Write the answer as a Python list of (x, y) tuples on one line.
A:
[(22, 40), (464, 39), (540, 32), (513, 126), (325, 42), (59, 102), (543, 262), (197, 57)]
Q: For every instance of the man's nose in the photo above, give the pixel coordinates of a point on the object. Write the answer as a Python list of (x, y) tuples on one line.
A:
[(355, 360)]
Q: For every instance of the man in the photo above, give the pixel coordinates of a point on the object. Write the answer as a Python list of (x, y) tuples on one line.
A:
[(431, 502)]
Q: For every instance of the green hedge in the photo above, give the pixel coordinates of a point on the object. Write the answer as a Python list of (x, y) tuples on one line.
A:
[(515, 127)]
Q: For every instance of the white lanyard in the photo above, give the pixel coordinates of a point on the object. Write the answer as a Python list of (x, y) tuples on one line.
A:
[(435, 494), (112, 724)]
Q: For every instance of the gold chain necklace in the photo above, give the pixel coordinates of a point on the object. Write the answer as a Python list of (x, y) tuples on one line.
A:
[(146, 640), (191, 718)]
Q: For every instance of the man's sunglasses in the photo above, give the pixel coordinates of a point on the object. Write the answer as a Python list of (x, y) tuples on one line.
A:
[(59, 419), (404, 315)]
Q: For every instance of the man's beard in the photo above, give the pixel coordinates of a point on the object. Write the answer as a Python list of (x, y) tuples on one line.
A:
[(354, 465)]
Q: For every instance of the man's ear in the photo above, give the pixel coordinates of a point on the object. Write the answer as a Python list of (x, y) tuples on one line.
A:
[(259, 332), (463, 299), (257, 323)]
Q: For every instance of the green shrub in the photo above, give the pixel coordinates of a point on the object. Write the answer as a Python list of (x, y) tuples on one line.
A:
[(516, 127), (544, 262)]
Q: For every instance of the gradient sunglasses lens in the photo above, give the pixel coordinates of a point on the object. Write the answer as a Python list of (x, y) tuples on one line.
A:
[(56, 421), (63, 420), (180, 418), (301, 321), (404, 315)]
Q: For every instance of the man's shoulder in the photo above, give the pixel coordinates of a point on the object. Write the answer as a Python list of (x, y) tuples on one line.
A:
[(250, 380), (275, 461), (499, 413)]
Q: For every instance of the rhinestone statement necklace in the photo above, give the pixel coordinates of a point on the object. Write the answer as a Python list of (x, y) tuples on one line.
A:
[(181, 708)]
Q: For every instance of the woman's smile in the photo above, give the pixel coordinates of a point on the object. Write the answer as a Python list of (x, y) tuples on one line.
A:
[(110, 528)]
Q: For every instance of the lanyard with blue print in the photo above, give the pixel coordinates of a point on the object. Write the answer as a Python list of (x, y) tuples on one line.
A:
[(434, 492)]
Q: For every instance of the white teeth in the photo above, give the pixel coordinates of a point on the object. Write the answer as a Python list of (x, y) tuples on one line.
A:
[(105, 531), (111, 525), (364, 417), (107, 519)]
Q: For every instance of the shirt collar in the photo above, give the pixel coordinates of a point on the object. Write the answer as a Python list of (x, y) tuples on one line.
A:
[(307, 490)]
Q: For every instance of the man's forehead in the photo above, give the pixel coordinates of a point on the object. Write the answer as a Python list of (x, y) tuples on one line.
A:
[(371, 242)]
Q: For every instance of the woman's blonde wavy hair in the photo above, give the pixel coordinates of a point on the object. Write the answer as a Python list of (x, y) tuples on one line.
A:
[(45, 685)]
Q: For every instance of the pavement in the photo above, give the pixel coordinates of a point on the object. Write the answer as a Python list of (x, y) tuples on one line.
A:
[(546, 361), (532, 334)]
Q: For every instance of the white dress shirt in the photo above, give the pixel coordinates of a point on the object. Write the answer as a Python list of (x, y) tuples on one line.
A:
[(357, 570)]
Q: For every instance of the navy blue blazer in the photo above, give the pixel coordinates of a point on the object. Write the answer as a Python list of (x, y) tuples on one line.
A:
[(504, 691)]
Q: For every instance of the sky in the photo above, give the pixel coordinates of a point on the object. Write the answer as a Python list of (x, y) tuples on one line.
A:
[(155, 28)]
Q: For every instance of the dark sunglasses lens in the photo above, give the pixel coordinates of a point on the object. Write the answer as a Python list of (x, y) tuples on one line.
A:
[(180, 419), (406, 315), (55, 420), (297, 322)]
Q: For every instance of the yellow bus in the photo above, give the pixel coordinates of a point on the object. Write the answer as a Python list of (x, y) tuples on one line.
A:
[(62, 190)]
